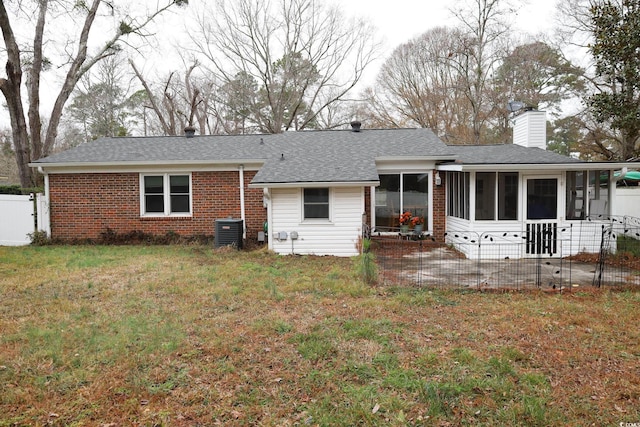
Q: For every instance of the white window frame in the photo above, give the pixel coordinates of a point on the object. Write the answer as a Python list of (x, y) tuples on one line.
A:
[(431, 188), (330, 202), (496, 193), (166, 193)]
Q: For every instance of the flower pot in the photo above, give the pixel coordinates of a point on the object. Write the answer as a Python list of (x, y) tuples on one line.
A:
[(417, 228), (404, 228)]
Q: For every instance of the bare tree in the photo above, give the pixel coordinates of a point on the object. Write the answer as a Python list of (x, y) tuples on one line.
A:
[(484, 26), (443, 79), (302, 56), (103, 103), (181, 101), (27, 136), (418, 86)]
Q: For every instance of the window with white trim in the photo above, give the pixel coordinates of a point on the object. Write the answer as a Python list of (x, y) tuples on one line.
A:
[(399, 193), (165, 194), (316, 203)]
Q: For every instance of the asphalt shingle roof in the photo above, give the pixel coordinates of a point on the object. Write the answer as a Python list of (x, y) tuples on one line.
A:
[(507, 154), (309, 156), (292, 157)]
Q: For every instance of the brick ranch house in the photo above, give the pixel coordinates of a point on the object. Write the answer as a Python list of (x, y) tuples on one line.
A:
[(322, 185)]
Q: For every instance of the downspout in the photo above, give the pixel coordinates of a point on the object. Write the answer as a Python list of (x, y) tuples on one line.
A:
[(372, 207), (266, 202), (615, 178), (242, 216), (46, 221)]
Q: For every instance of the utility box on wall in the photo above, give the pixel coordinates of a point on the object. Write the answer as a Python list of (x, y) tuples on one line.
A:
[(229, 233)]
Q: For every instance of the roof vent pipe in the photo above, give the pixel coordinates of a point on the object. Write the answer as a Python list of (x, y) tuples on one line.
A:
[(189, 131), (355, 126)]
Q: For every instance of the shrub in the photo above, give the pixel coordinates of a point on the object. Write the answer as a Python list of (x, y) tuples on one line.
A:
[(366, 266), (39, 238)]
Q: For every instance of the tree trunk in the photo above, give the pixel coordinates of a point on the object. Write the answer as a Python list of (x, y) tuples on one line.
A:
[(10, 88), (33, 84), (27, 140)]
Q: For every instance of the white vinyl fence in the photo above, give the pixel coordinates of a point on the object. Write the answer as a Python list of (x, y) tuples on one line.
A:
[(18, 218), (627, 201)]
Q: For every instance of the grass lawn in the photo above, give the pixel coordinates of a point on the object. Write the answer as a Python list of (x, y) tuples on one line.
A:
[(186, 335)]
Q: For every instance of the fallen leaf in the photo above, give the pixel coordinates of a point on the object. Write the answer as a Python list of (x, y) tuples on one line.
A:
[(375, 409)]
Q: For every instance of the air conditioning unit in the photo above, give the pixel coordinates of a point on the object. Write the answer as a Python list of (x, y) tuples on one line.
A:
[(229, 233)]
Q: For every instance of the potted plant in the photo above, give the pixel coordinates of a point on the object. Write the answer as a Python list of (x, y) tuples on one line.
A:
[(405, 220), (417, 222)]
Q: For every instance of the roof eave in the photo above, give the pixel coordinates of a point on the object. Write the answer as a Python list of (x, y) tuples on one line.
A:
[(444, 158), (135, 165), (314, 184), (530, 167)]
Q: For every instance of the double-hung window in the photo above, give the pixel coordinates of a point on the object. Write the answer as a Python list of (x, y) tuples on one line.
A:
[(316, 203), (165, 194)]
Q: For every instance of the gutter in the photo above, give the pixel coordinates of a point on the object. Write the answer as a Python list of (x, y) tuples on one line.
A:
[(482, 167), (313, 184), (132, 164)]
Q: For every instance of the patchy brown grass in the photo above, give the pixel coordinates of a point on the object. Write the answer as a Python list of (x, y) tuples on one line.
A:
[(187, 335)]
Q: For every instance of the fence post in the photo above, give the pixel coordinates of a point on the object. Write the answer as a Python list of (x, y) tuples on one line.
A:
[(597, 277), (478, 265)]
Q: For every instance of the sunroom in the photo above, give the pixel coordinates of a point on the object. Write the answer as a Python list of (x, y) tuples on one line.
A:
[(518, 200), (527, 212)]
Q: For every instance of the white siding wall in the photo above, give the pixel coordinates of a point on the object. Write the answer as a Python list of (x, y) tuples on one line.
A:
[(502, 239), (16, 220), (486, 239), (338, 237)]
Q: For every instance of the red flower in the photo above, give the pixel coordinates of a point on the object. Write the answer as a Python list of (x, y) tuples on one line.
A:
[(405, 218), (417, 220)]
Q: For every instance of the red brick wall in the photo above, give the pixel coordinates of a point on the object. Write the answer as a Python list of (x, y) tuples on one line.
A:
[(439, 207), (367, 203), (85, 205)]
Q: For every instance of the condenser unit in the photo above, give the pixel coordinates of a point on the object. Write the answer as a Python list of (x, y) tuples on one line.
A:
[(229, 233)]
